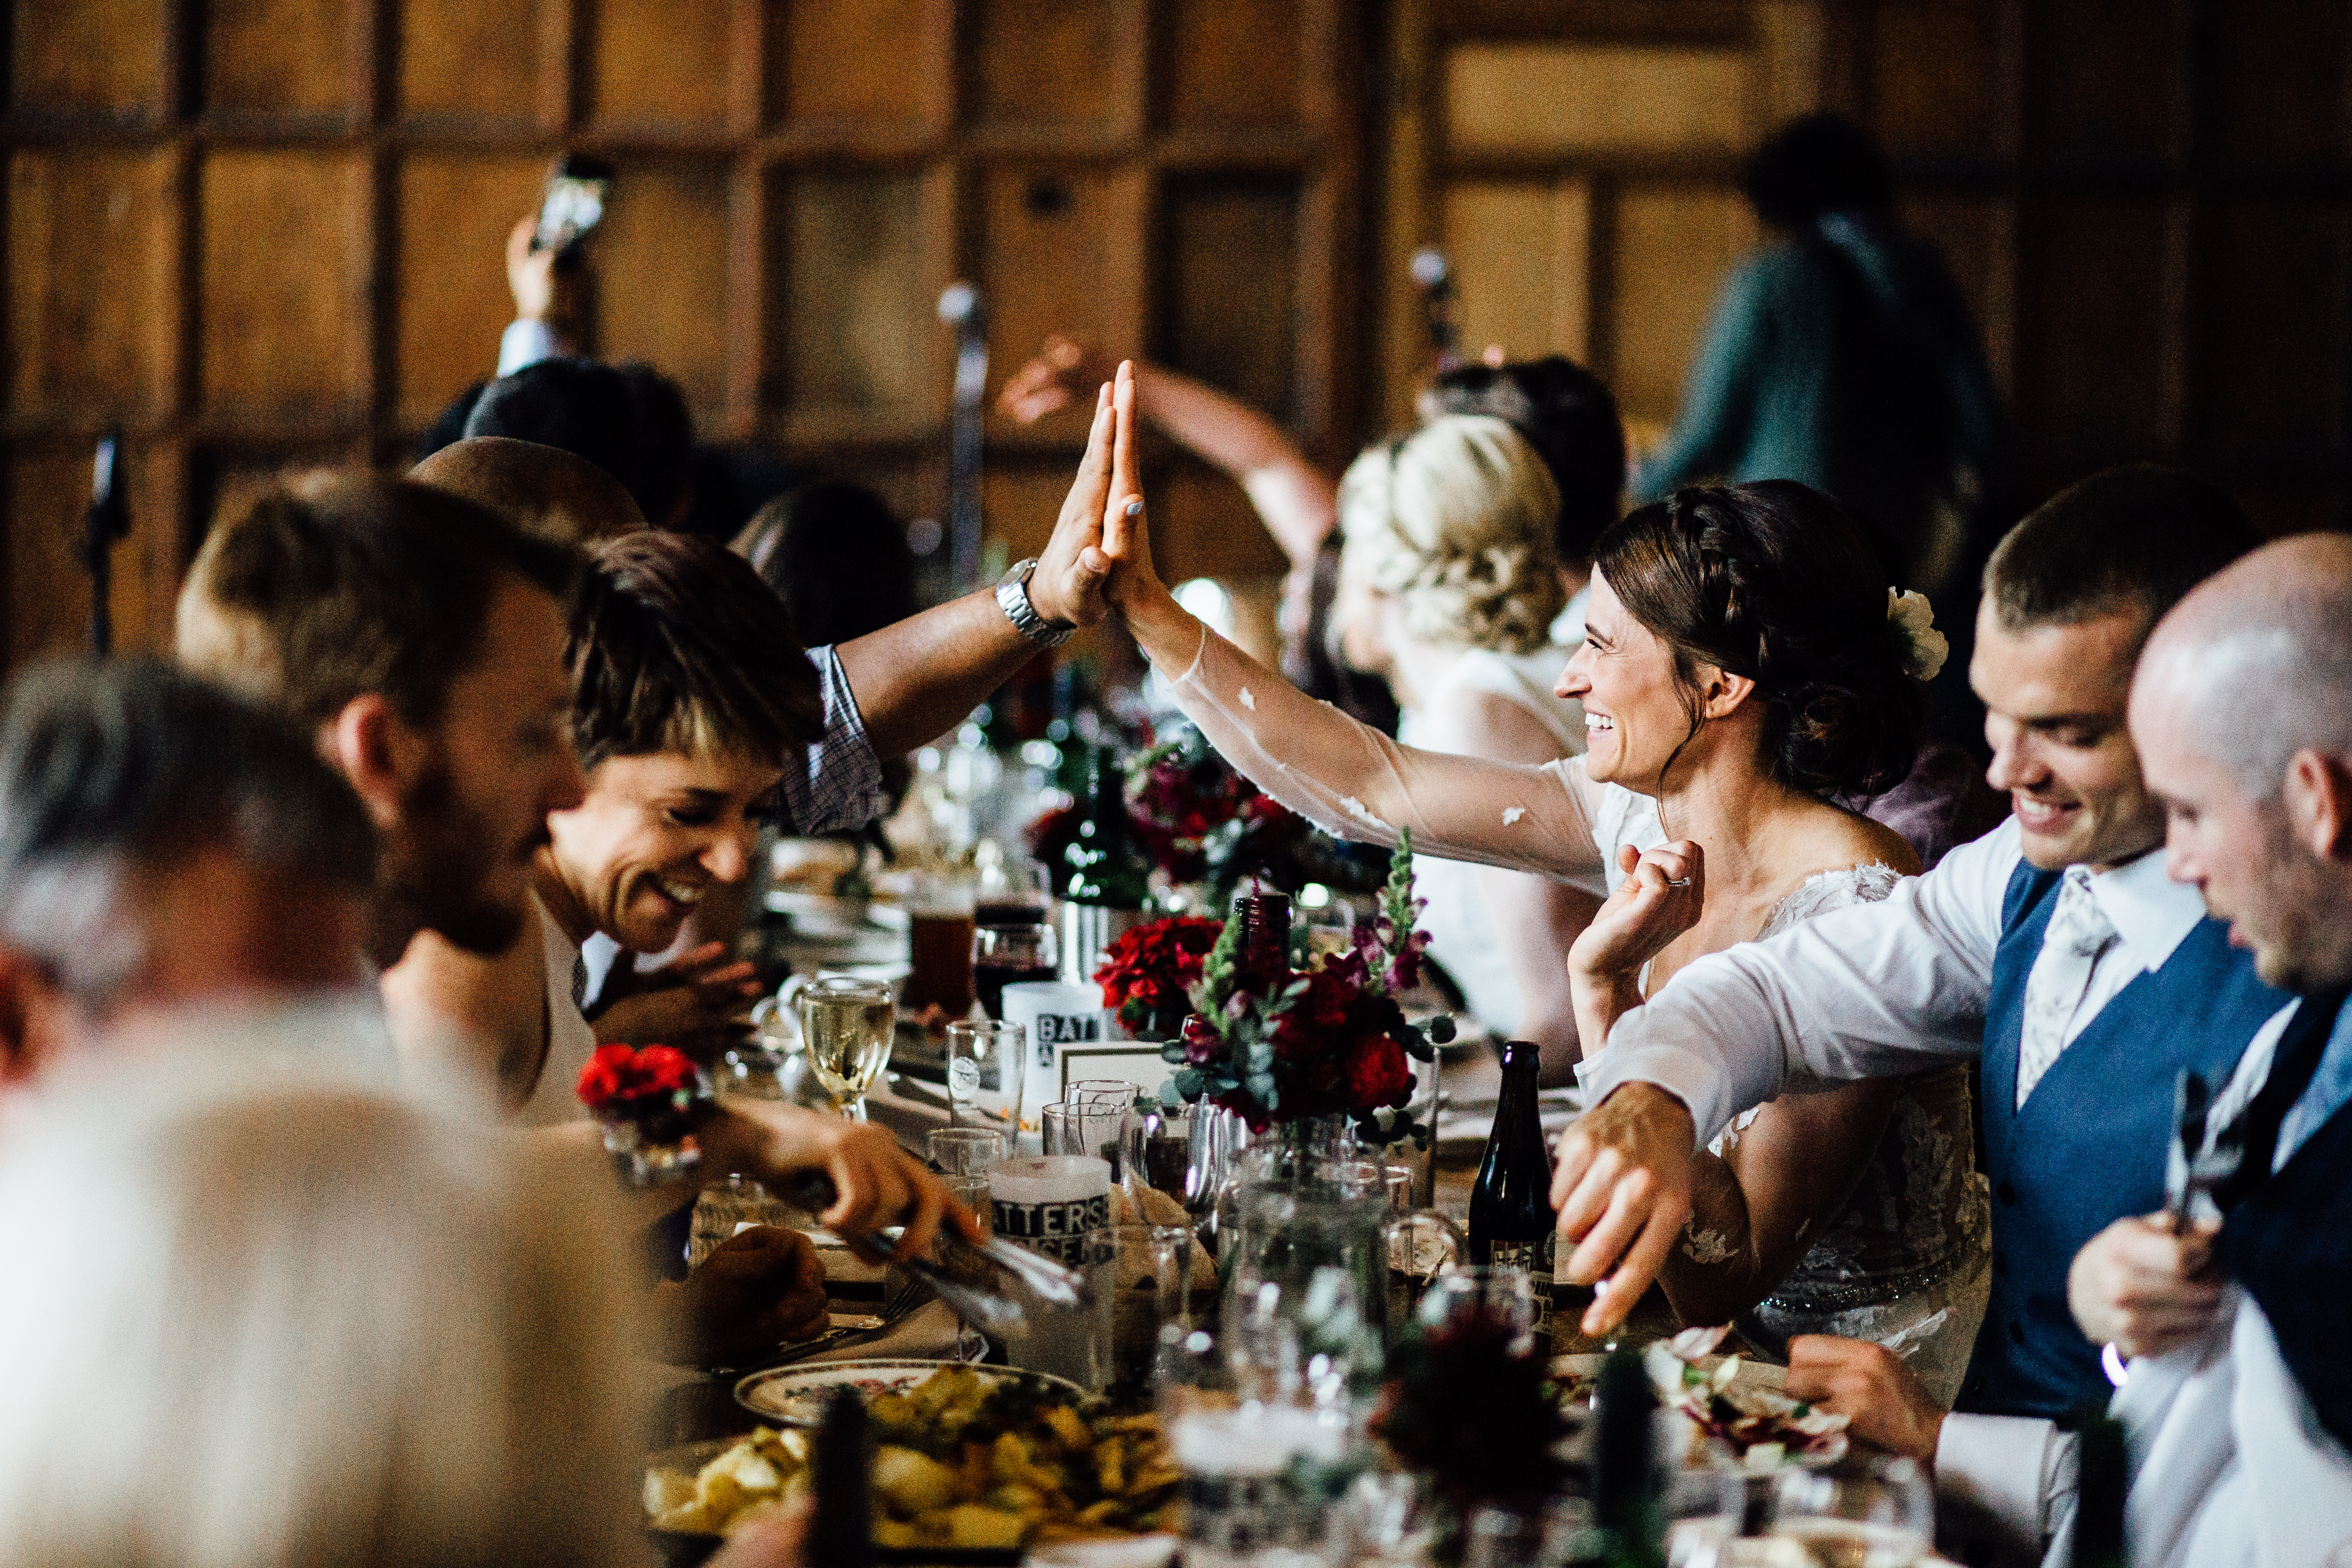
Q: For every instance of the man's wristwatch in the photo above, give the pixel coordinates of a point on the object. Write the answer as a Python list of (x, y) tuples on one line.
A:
[(1012, 598)]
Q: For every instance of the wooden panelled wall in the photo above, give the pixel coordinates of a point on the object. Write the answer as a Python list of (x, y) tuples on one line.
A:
[(265, 232), (2147, 201), (261, 232)]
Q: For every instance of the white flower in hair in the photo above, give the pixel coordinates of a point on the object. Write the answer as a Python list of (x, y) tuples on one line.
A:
[(1923, 647)]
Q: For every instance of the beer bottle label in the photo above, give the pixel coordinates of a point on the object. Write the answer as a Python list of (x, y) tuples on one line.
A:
[(1536, 1257)]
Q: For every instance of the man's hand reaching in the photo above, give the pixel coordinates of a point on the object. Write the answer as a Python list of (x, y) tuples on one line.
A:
[(1063, 373), (1623, 1189), (1067, 585)]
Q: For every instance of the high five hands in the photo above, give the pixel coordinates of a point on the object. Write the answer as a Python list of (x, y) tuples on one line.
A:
[(1099, 558)]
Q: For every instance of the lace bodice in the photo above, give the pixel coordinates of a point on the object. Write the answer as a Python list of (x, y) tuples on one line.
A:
[(1916, 1213)]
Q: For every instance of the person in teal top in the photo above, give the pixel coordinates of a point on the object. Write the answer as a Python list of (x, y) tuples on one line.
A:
[(1842, 355)]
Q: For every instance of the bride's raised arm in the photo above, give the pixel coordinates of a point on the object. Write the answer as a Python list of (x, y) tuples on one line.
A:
[(1345, 777)]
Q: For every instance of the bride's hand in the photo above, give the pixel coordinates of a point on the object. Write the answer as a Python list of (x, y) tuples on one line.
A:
[(1660, 898), (1134, 586)]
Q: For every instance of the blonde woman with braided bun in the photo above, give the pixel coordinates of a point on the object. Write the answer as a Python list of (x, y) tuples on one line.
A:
[(1450, 583)]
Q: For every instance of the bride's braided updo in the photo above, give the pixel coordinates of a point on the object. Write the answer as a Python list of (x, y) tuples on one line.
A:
[(1779, 583)]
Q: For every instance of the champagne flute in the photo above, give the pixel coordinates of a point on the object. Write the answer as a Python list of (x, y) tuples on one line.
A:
[(846, 1025)]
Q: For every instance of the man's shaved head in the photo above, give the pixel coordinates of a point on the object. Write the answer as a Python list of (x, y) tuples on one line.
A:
[(2241, 708), (2258, 660), (540, 489)]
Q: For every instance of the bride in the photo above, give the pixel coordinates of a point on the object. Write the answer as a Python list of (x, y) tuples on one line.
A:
[(1743, 661)]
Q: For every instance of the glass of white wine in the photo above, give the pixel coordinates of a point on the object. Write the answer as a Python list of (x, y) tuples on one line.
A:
[(1876, 1513), (845, 1028)]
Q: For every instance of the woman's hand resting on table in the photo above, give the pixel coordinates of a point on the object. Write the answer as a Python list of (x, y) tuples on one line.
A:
[(1660, 898)]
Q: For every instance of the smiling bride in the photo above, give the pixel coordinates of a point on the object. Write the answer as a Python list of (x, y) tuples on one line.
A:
[(1744, 660)]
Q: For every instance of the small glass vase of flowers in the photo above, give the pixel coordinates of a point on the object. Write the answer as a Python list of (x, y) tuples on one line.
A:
[(649, 1101)]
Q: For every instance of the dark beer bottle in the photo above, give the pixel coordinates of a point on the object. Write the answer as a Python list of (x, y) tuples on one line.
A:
[(1628, 1490), (1511, 1217), (1103, 867), (1262, 959), (2105, 1479)]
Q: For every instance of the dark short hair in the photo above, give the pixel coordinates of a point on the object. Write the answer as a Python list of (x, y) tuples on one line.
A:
[(837, 556), (1567, 416), (131, 764), (2132, 538), (360, 583), (1778, 582), (1811, 167), (629, 420), (676, 646)]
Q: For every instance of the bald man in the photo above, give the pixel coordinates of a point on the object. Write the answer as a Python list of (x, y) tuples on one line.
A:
[(540, 489), (2236, 1398)]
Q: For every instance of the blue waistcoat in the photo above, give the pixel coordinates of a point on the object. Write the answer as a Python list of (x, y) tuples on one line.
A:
[(2090, 1144)]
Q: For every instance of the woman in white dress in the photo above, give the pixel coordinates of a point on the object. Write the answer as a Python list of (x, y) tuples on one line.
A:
[(1742, 662)]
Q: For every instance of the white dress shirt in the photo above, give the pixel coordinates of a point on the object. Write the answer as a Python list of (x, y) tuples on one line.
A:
[(1877, 989)]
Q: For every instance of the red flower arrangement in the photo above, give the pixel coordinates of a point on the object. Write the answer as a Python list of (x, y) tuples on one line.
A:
[(1147, 972), (648, 1101), (1331, 1041)]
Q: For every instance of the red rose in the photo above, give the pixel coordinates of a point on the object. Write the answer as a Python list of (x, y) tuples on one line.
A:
[(618, 1076), (1146, 973), (1378, 1074)]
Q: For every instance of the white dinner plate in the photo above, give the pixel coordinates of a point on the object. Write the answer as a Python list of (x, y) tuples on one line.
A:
[(794, 1395)]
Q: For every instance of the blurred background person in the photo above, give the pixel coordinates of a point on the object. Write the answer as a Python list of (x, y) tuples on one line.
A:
[(1842, 355), (289, 1323), (167, 845)]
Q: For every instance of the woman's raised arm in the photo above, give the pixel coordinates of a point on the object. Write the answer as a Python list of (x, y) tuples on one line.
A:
[(1345, 777)]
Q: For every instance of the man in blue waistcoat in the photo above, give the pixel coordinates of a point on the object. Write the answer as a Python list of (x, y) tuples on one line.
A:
[(2237, 1401), (2056, 947)]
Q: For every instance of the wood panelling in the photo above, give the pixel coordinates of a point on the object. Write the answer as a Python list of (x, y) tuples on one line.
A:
[(1229, 260), (449, 272), (2275, 83), (825, 70), (1547, 98), (1202, 41), (1674, 248), (2095, 383), (282, 56), (1936, 75), (102, 55), (2106, 82), (660, 63), (1050, 246), (284, 275), (1525, 253), (45, 489), (93, 283), (662, 264), (1025, 52), (2273, 344), (477, 61), (857, 272)]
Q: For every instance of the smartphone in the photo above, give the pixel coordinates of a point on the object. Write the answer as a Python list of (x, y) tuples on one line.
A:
[(578, 188)]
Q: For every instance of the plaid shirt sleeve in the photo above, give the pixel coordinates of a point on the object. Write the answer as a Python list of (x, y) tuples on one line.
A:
[(841, 788)]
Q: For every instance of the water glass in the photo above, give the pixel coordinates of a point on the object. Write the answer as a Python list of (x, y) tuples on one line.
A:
[(1875, 1513), (1099, 1091), (986, 1058), (1422, 1246), (1093, 1128), (1154, 1263), (967, 1151), (1248, 1494)]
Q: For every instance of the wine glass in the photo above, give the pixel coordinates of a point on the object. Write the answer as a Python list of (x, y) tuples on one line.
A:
[(1876, 1513), (846, 1025), (1005, 953)]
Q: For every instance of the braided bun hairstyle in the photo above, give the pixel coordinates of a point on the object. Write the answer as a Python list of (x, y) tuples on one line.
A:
[(1778, 582), (1456, 521)]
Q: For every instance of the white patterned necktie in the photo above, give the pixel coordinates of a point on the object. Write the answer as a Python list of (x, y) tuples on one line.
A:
[(2077, 935)]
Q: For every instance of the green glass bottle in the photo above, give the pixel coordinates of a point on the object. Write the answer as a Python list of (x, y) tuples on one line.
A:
[(1106, 877)]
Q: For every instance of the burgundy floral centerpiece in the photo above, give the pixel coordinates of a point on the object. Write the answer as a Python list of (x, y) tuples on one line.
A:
[(1203, 821), (1328, 1042), (649, 1102)]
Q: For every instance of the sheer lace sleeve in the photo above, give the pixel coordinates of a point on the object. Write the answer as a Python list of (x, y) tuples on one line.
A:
[(1355, 783)]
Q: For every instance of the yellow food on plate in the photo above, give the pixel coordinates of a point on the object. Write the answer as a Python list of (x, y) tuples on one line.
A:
[(963, 1458)]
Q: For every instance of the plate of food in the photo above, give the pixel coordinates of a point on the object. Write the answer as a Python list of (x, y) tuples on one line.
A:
[(795, 1395), (1731, 1408), (963, 1457)]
